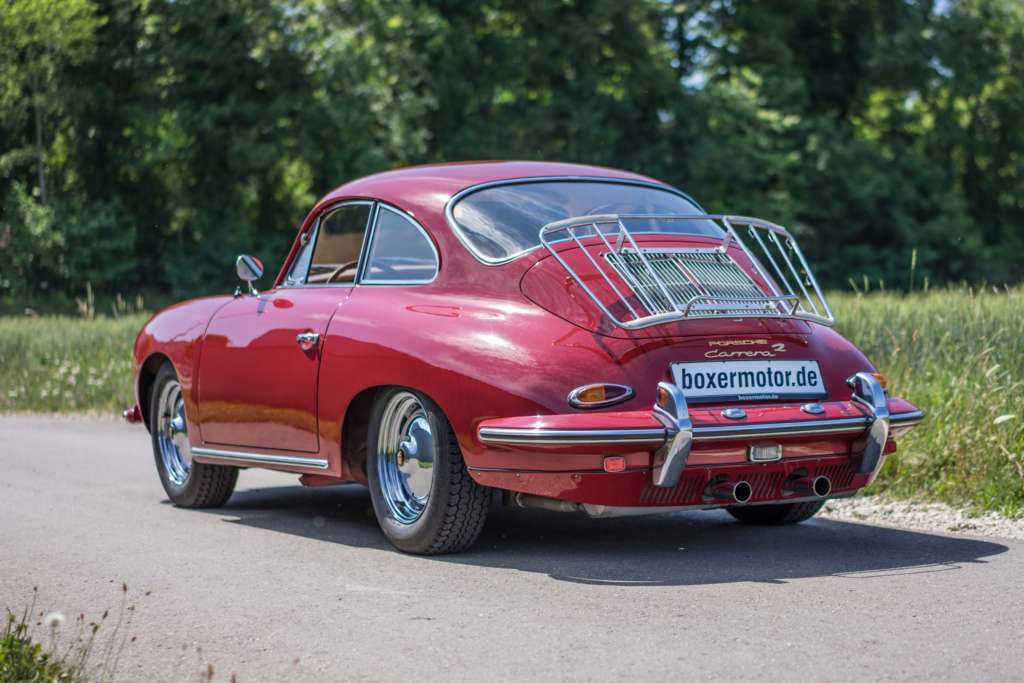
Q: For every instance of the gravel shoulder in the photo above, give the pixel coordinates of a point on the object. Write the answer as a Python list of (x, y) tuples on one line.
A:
[(912, 514)]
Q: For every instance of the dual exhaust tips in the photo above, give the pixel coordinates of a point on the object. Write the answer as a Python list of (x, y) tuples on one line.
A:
[(719, 490), (807, 486), (798, 484), (732, 491)]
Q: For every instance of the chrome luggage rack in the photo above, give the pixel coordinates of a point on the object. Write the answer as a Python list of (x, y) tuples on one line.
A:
[(670, 284)]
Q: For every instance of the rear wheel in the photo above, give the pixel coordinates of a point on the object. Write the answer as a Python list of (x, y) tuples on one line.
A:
[(785, 513), (423, 497), (188, 484)]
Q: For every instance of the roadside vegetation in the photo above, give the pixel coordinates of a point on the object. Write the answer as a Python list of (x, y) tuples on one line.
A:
[(61, 364), (46, 646), (959, 355), (145, 143), (23, 659), (956, 353)]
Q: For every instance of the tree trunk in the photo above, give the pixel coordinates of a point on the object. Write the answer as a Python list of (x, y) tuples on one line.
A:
[(39, 137)]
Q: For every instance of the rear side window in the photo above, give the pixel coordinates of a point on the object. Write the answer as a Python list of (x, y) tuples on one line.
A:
[(400, 251)]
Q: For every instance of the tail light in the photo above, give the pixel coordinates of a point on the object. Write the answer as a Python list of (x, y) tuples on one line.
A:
[(599, 395)]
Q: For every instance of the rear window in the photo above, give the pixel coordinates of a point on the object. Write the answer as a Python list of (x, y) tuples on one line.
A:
[(503, 221)]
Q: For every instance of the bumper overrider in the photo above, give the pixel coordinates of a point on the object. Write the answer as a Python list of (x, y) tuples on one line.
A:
[(864, 426)]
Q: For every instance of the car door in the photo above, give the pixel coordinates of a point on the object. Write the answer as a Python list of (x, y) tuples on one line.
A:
[(261, 354)]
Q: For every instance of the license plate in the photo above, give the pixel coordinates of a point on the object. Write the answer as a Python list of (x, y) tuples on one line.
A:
[(749, 379)]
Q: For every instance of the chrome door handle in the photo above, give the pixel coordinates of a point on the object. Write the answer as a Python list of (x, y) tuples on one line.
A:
[(310, 338)]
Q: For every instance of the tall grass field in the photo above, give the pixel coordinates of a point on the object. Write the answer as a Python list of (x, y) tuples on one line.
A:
[(957, 353), (59, 364), (959, 356)]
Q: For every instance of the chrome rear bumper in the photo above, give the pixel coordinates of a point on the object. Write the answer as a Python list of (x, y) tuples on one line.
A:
[(676, 434)]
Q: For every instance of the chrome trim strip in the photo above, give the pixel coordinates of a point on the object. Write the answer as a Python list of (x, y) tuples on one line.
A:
[(852, 425), (582, 437), (265, 458), (913, 417), (364, 248), (570, 437), (449, 208)]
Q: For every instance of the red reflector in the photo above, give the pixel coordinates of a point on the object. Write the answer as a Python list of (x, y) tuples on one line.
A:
[(615, 463)]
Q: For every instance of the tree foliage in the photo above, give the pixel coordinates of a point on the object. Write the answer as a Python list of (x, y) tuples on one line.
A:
[(143, 143)]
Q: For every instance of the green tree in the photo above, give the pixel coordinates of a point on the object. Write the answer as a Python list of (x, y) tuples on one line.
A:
[(37, 38), (575, 81), (850, 89)]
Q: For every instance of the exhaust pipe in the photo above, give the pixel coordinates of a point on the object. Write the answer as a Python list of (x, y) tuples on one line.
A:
[(737, 492), (526, 500), (808, 486)]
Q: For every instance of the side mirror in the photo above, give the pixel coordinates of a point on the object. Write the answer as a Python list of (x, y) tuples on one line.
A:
[(249, 269)]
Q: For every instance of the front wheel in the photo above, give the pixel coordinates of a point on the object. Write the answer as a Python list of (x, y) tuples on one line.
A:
[(784, 513), (188, 484), (424, 499)]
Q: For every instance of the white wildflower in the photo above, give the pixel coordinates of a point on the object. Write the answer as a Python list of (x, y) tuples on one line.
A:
[(1003, 418), (54, 620)]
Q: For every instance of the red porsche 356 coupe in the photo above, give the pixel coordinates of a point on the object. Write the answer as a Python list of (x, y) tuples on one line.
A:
[(580, 338)]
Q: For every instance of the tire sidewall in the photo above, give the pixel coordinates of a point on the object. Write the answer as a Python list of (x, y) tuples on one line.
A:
[(415, 537), (183, 494)]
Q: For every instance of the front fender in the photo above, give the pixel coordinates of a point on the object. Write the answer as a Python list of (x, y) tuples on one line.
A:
[(174, 334)]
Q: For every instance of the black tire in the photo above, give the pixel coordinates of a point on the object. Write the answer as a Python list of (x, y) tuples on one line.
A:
[(188, 484), (784, 513), (425, 501)]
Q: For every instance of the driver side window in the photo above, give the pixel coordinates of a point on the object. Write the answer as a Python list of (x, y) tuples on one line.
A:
[(339, 240)]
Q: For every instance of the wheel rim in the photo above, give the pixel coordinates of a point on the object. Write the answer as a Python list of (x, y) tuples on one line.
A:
[(172, 434), (405, 457)]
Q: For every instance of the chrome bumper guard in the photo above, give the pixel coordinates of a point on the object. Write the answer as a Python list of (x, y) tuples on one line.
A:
[(868, 392), (670, 459), (677, 435)]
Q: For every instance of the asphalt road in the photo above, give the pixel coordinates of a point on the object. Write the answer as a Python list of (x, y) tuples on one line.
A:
[(287, 583)]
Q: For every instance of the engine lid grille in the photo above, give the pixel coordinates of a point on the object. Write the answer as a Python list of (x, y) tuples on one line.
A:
[(688, 274)]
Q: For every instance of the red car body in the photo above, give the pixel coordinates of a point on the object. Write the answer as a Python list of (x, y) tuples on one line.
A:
[(498, 347)]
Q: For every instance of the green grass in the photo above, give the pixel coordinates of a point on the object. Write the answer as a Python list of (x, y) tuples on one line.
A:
[(958, 354), (46, 647), (22, 659), (64, 364)]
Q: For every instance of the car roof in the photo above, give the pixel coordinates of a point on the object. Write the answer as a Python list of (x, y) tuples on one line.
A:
[(424, 191), (433, 185)]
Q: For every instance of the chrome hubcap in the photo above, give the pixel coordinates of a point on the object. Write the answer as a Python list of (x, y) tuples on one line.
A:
[(172, 434), (405, 457)]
